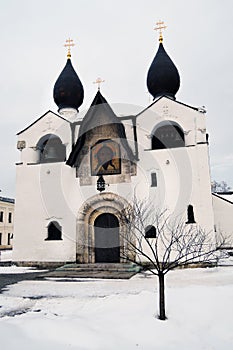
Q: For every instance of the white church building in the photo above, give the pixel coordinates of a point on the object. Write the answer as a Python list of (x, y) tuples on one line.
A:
[(77, 171)]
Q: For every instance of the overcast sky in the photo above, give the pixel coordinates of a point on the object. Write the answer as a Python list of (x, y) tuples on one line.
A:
[(115, 40)]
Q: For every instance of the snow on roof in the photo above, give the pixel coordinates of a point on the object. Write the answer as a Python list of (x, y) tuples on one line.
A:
[(7, 200)]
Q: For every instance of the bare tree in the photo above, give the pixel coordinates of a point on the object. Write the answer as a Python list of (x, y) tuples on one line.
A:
[(163, 243)]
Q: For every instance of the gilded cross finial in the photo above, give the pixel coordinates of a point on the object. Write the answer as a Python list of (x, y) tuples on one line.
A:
[(69, 43), (98, 81), (160, 25)]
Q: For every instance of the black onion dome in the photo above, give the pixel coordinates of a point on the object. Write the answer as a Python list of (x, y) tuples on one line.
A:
[(68, 90), (163, 77)]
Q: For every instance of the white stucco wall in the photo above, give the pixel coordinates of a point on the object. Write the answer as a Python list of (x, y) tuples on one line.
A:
[(183, 174), (40, 198), (39, 201)]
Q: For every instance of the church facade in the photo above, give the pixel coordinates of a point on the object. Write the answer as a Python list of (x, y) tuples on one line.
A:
[(76, 174)]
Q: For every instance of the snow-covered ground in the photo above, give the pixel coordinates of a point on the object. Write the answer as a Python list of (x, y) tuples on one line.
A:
[(16, 269), (5, 255), (120, 314)]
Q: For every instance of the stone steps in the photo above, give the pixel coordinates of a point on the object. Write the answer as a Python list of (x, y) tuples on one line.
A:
[(98, 267), (107, 271)]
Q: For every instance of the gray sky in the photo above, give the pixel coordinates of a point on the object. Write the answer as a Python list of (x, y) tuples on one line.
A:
[(115, 40)]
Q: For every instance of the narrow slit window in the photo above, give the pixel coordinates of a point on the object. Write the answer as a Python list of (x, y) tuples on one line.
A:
[(190, 214), (10, 218), (8, 239), (1, 216), (153, 180)]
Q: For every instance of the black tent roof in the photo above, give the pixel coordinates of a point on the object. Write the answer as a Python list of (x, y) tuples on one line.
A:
[(99, 113)]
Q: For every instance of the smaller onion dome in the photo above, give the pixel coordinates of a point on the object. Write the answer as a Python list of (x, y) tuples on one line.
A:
[(68, 89), (163, 77)]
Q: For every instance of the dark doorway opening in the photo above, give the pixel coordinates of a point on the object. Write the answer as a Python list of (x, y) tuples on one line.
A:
[(107, 240)]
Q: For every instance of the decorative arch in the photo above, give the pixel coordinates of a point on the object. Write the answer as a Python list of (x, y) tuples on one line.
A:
[(99, 204), (51, 149), (167, 134)]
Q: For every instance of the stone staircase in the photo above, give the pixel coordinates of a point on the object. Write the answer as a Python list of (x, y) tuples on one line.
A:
[(104, 270)]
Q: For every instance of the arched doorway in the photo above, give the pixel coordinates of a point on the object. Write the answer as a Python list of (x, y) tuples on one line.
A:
[(107, 239), (103, 203)]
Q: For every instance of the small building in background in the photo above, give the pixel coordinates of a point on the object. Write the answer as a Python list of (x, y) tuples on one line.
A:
[(6, 222), (223, 218)]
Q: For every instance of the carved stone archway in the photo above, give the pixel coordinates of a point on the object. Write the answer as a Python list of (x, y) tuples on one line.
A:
[(90, 210)]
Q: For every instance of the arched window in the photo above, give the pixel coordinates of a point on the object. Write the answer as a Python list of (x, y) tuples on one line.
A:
[(150, 232), (51, 149), (54, 231), (168, 135), (190, 214)]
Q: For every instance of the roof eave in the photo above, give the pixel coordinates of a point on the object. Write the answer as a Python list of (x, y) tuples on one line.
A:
[(49, 111), (169, 98)]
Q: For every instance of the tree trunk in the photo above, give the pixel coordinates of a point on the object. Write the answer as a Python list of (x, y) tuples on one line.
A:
[(162, 315)]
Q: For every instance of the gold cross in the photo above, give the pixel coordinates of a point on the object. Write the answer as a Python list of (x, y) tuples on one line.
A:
[(69, 43), (98, 81), (160, 26)]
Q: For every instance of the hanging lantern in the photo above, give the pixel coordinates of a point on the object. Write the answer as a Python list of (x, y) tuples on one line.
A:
[(100, 184)]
